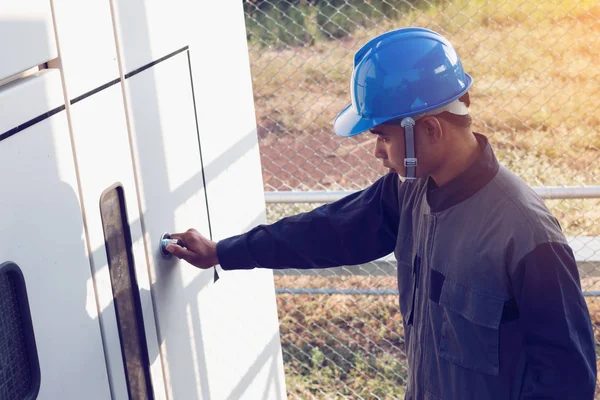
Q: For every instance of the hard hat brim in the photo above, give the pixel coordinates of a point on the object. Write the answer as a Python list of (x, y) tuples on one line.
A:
[(349, 123)]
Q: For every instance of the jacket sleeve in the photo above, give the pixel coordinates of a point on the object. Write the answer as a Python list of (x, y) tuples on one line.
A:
[(356, 229), (557, 331)]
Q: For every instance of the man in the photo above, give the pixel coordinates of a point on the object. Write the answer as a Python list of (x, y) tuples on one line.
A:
[(489, 288)]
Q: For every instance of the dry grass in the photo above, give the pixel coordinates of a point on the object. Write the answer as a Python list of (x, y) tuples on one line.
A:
[(536, 73), (337, 327), (535, 94)]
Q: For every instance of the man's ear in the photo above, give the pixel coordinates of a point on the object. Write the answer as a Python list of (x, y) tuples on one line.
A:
[(432, 128)]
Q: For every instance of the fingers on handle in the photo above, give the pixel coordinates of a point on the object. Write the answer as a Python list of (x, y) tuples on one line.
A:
[(182, 239), (177, 235), (186, 236), (179, 252)]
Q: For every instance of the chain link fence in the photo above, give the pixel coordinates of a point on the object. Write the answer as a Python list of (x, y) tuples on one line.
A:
[(535, 95)]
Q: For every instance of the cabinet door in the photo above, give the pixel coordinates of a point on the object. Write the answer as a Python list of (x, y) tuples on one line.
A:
[(123, 286), (171, 188), (219, 340), (27, 33), (42, 233)]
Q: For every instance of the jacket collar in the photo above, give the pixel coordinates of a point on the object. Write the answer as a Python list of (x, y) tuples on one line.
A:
[(465, 185)]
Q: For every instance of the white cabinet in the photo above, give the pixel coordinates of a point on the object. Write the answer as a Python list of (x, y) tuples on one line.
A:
[(42, 232), (172, 195), (27, 33), (104, 162), (221, 339), (171, 145)]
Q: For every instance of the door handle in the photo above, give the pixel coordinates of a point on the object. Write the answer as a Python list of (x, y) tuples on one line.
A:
[(166, 240)]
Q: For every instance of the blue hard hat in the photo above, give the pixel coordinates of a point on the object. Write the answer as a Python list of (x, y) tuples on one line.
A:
[(401, 73)]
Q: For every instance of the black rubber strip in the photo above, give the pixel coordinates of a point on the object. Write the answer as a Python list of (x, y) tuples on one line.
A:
[(215, 274), (30, 123), (129, 75), (98, 89), (200, 149), (153, 63), (42, 117)]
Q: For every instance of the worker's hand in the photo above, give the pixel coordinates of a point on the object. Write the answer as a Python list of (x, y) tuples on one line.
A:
[(198, 250)]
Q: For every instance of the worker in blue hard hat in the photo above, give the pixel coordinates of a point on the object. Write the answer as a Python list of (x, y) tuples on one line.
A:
[(489, 289), (399, 78)]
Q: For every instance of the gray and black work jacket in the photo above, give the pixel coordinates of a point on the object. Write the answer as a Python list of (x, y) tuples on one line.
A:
[(489, 289)]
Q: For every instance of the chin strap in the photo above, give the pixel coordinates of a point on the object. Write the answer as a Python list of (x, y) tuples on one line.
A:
[(410, 160)]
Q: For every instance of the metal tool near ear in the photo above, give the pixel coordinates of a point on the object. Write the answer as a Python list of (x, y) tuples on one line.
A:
[(166, 240)]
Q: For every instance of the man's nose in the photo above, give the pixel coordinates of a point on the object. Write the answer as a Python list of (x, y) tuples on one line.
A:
[(378, 151)]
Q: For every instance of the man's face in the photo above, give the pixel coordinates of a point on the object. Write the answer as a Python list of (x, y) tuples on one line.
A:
[(389, 147)]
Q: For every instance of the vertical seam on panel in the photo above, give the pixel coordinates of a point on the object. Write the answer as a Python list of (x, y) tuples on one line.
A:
[(80, 200)]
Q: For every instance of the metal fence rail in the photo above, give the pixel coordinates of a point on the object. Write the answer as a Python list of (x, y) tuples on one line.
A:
[(324, 196), (363, 292), (536, 75)]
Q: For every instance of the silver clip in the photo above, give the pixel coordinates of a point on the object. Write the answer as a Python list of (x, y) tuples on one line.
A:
[(410, 162), (407, 121)]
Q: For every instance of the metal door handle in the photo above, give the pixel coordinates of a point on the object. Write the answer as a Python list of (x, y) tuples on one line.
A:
[(166, 240)]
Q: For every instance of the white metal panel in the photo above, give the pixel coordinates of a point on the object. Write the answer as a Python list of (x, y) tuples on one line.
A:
[(36, 95), (104, 159), (172, 196), (86, 44), (236, 203), (235, 349), (42, 232), (27, 34), (149, 29)]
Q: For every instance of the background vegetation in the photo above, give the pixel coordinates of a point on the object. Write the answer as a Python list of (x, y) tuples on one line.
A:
[(340, 346), (536, 71)]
